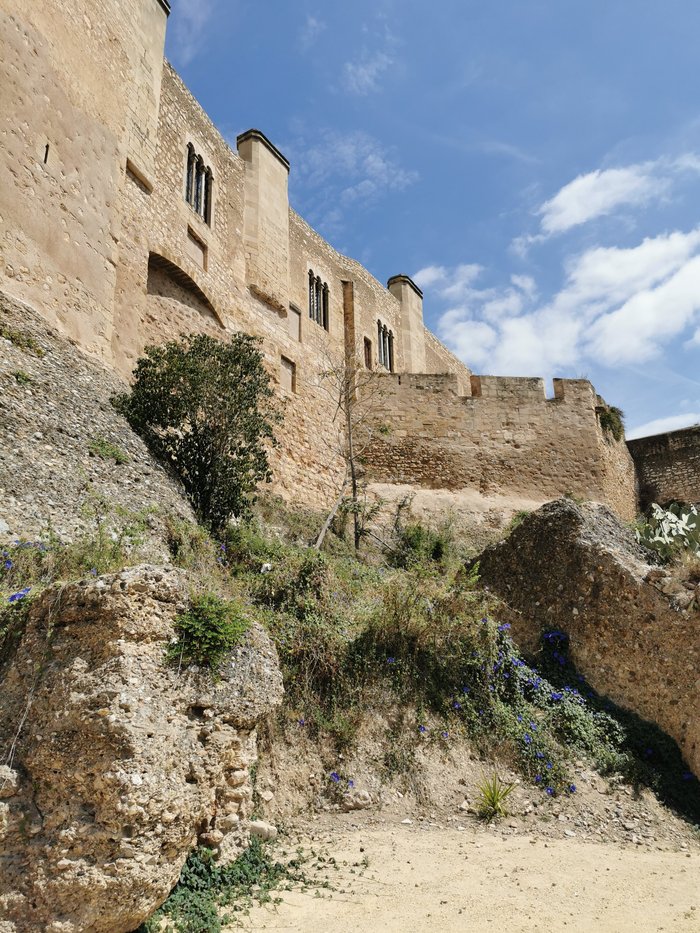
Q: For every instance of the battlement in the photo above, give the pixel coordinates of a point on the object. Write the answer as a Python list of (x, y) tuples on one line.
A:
[(527, 390)]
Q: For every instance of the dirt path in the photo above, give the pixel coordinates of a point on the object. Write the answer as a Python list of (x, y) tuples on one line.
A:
[(424, 879)]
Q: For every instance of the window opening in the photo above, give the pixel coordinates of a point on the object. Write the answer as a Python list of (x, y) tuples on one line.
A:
[(318, 300), (199, 182)]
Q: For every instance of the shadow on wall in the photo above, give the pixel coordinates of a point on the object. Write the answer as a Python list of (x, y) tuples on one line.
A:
[(648, 756), (167, 280)]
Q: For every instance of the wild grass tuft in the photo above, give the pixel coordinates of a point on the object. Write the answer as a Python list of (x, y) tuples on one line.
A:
[(493, 795)]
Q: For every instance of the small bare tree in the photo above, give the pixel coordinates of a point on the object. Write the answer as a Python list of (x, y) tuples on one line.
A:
[(356, 392)]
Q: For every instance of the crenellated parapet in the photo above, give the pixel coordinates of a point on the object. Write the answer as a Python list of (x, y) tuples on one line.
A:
[(502, 436)]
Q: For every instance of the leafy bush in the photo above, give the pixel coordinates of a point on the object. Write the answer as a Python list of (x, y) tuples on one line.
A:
[(415, 543), (671, 531), (209, 629), (207, 408), (612, 421)]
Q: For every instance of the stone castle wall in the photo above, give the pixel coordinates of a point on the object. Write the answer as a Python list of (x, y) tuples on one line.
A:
[(504, 435), (668, 466), (96, 234)]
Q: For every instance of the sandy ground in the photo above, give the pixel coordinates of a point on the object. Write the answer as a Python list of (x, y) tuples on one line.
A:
[(419, 878)]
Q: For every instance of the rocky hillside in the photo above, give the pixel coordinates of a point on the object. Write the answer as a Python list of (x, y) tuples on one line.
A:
[(66, 457)]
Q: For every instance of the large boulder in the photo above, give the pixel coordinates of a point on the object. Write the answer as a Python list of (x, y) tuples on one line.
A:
[(634, 631), (118, 764)]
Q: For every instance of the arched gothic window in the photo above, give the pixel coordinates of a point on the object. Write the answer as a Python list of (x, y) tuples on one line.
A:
[(318, 300), (199, 182), (385, 346)]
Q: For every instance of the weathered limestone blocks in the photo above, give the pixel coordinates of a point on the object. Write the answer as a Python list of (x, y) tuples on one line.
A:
[(118, 764), (633, 635)]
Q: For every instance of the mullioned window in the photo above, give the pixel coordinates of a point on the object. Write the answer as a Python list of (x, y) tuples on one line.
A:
[(199, 182), (385, 346), (318, 300)]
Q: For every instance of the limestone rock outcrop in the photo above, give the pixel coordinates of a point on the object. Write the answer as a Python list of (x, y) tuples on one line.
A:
[(116, 763), (578, 569)]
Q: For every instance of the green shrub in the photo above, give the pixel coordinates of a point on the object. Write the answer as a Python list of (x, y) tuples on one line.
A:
[(22, 378), (207, 408), (671, 531), (207, 632), (612, 421), (205, 887), (415, 544)]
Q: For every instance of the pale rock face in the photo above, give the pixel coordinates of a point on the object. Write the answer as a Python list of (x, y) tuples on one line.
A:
[(634, 631), (122, 764)]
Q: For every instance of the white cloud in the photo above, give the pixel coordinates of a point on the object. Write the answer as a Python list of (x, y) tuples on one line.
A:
[(616, 306), (662, 425), (188, 28), (362, 76), (311, 30), (599, 193), (343, 170), (429, 276)]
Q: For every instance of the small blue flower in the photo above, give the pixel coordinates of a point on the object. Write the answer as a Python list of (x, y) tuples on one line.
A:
[(8, 564), (351, 783), (550, 791), (538, 778), (539, 754), (19, 595), (456, 705), (391, 660), (93, 571), (520, 718), (335, 777), (548, 766), (445, 735), (302, 721), (533, 726), (528, 738), (422, 729), (572, 788), (504, 627)]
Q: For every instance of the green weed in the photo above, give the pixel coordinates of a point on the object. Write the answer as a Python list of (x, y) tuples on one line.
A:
[(493, 794), (101, 447)]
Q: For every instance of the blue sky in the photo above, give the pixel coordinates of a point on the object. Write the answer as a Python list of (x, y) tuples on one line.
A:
[(534, 166)]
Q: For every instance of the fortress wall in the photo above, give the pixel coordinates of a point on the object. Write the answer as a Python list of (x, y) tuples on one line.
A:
[(83, 79), (438, 359), (372, 301), (510, 439), (668, 466), (151, 307)]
